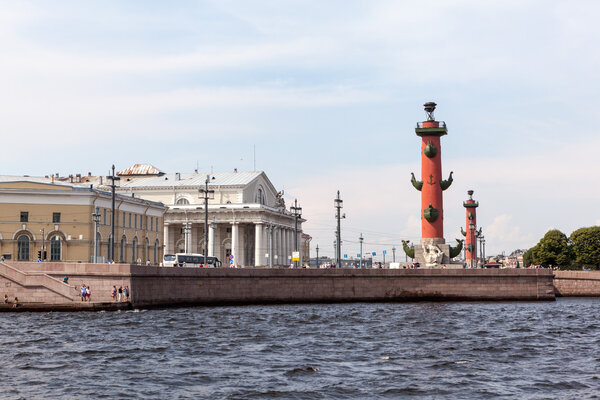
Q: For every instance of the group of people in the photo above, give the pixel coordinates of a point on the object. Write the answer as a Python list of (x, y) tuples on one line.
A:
[(86, 293), (120, 294), (15, 302)]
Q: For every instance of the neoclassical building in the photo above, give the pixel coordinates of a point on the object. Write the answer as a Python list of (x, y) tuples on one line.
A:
[(41, 213), (249, 224)]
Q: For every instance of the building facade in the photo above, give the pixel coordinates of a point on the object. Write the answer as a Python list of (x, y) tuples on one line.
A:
[(56, 220), (248, 222)]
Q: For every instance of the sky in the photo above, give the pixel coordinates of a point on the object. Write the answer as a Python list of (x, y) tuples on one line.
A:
[(322, 96)]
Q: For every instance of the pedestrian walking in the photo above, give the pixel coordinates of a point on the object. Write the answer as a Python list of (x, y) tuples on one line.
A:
[(5, 299), (126, 293), (88, 294), (83, 292), (120, 293), (113, 294)]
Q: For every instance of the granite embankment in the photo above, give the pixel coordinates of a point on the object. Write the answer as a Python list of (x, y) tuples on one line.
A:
[(40, 286), (577, 283)]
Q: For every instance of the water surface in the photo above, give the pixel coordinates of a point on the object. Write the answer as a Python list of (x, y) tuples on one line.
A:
[(520, 350)]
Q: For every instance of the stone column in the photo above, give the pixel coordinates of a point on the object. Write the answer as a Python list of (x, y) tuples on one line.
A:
[(193, 238), (288, 247), (211, 240), (242, 246), (259, 251), (166, 240), (235, 242), (280, 257)]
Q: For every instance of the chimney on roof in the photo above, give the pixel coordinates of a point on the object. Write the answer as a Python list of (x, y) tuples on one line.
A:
[(89, 174), (101, 179), (78, 178), (71, 178), (177, 176), (235, 170)]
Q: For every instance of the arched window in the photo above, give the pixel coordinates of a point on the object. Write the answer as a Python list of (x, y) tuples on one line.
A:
[(146, 255), (134, 251), (23, 248), (260, 197), (123, 249), (55, 248), (183, 201)]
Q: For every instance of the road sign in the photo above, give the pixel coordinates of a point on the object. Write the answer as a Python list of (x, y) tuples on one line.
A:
[(295, 256), (345, 255), (231, 256), (385, 252), (374, 253), (358, 255), (230, 262)]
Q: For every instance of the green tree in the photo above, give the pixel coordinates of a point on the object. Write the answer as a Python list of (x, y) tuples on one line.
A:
[(553, 250), (586, 246), (528, 258)]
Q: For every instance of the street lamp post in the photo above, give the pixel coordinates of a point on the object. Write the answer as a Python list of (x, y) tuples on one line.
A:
[(472, 246), (111, 243), (208, 194), (335, 252), (297, 212), (361, 254), (317, 256), (338, 203), (394, 254), (96, 217)]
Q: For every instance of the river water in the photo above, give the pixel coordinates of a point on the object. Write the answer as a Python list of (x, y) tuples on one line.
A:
[(517, 350)]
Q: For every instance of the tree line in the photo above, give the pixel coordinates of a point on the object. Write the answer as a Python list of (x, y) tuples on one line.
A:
[(581, 250)]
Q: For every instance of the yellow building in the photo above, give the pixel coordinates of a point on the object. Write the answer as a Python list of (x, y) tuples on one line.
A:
[(39, 215)]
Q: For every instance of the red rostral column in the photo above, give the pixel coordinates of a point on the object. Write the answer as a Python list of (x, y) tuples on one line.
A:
[(471, 234), (431, 185)]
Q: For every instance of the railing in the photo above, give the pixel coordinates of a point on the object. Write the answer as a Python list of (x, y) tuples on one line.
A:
[(442, 124)]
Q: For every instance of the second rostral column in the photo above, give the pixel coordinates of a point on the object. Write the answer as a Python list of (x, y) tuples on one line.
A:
[(433, 250)]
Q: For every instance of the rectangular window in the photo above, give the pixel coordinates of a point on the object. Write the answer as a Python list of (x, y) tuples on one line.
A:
[(146, 223), (56, 218), (123, 220), (151, 224), (24, 216), (156, 224), (135, 220), (105, 212), (129, 220)]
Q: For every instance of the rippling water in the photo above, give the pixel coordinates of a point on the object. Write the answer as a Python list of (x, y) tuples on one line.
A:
[(532, 350)]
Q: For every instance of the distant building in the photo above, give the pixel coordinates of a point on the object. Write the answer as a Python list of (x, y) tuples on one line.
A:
[(248, 222), (57, 216)]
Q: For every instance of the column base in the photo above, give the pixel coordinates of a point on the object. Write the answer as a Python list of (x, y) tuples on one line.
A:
[(434, 253)]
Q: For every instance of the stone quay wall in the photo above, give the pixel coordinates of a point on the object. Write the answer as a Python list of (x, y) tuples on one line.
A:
[(577, 283), (160, 286)]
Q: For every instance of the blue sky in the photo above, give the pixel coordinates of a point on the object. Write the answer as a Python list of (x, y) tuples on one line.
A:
[(329, 93)]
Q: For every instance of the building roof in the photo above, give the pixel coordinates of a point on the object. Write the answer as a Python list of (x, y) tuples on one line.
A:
[(191, 180), (141, 170), (44, 183)]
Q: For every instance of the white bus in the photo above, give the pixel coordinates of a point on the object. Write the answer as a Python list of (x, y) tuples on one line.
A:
[(190, 260)]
